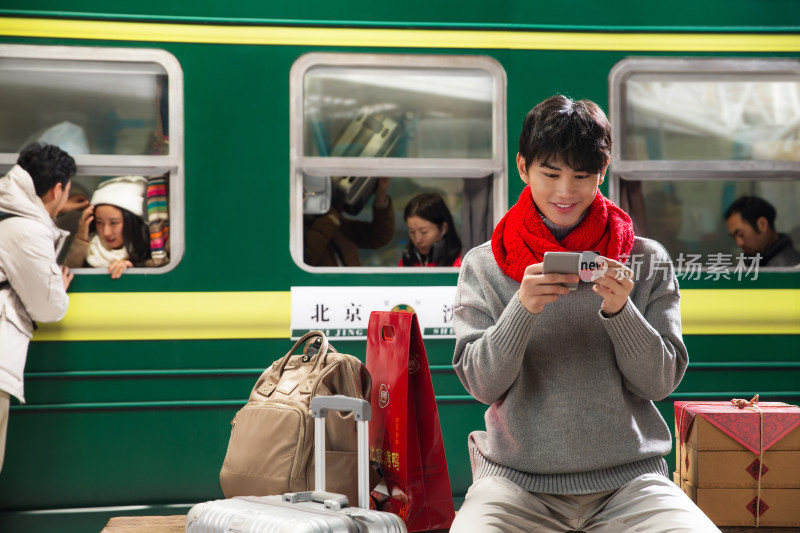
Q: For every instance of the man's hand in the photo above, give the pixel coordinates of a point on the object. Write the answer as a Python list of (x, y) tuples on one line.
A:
[(614, 286), (538, 290), (75, 202), (66, 276)]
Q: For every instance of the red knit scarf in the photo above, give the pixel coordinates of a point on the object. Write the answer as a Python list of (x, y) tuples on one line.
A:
[(521, 238)]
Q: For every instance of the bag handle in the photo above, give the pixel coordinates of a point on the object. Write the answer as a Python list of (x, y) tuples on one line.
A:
[(316, 345), (323, 349)]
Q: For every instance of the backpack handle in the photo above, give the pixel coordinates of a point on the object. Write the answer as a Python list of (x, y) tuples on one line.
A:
[(316, 346), (322, 350)]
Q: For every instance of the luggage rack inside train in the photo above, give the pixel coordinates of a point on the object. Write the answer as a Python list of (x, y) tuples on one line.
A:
[(369, 134)]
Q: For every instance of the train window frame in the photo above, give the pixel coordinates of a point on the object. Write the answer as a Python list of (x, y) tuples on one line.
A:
[(674, 170), (494, 168), (105, 165)]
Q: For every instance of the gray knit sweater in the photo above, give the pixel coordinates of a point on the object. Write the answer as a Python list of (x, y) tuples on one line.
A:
[(570, 393)]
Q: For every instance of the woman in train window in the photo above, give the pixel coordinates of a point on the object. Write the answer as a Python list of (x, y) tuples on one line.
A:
[(112, 232), (432, 236), (573, 439)]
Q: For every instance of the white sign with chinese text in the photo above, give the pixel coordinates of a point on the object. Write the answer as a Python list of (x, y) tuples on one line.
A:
[(343, 312)]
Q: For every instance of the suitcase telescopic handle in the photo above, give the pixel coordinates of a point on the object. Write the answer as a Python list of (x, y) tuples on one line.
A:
[(320, 405), (362, 413)]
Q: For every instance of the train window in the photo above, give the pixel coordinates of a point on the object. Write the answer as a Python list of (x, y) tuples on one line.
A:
[(118, 112), (430, 124), (694, 134)]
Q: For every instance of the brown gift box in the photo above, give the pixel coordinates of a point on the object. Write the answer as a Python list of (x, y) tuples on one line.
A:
[(736, 507), (729, 459)]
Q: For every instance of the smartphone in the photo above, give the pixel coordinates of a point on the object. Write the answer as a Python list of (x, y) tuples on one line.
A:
[(562, 263)]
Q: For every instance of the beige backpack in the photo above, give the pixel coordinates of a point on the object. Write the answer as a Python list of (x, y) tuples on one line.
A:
[(271, 445)]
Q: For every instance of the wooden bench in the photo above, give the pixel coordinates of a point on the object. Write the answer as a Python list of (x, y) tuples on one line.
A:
[(748, 529), (146, 524)]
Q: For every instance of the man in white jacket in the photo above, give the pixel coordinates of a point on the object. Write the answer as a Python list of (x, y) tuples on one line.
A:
[(32, 284)]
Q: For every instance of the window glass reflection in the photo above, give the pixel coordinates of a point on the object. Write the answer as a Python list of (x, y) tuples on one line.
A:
[(397, 112), (86, 107), (709, 116)]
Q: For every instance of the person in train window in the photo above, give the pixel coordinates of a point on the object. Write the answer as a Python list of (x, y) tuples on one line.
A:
[(333, 239), (432, 236), (751, 222), (112, 232), (573, 439), (32, 284)]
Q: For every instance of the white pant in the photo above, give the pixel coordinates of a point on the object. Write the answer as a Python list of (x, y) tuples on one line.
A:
[(650, 503)]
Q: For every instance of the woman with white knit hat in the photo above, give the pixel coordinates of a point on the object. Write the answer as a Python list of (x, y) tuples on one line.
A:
[(112, 231)]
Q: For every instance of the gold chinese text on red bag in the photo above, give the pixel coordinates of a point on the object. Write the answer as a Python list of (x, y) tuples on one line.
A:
[(405, 433)]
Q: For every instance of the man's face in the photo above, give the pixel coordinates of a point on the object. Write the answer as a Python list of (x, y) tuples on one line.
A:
[(59, 198), (748, 238), (560, 192)]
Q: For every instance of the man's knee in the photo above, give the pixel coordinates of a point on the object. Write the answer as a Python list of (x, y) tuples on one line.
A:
[(654, 503), (497, 505)]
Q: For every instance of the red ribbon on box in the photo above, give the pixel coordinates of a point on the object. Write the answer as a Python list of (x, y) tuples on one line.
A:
[(742, 425)]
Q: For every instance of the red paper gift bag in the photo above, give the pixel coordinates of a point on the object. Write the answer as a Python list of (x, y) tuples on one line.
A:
[(405, 434)]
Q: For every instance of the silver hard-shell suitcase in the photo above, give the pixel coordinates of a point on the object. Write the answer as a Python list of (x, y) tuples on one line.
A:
[(369, 134), (299, 512)]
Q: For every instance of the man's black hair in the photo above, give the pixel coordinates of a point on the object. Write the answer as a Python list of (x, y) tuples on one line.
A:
[(751, 208), (48, 165), (576, 132)]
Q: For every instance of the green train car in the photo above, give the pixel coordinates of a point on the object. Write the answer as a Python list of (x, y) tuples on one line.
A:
[(243, 110)]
